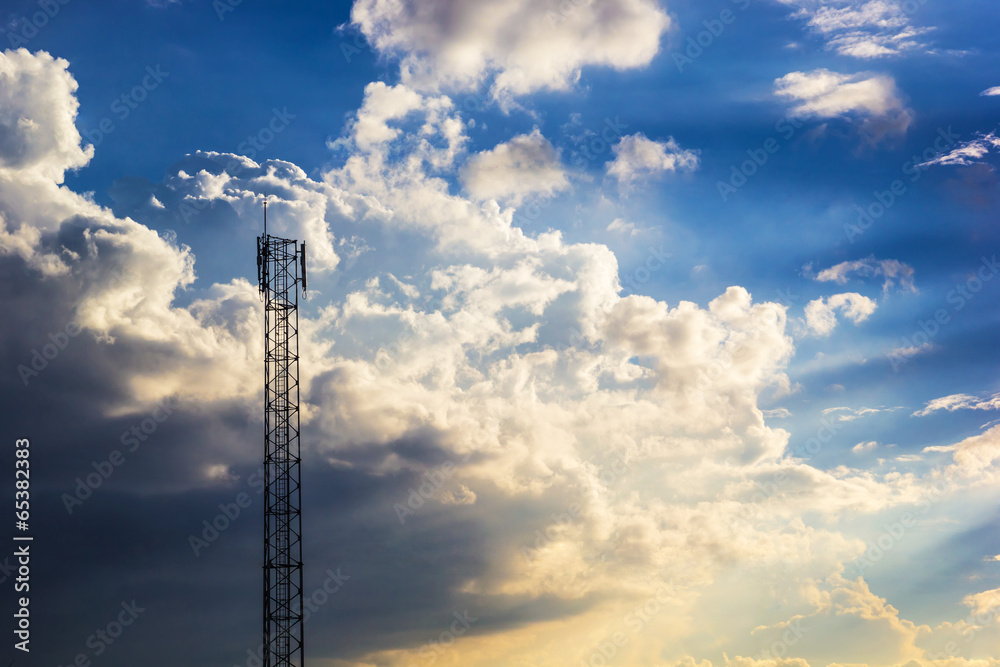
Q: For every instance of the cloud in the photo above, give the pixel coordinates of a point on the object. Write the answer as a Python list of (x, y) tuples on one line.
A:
[(821, 314), (852, 414), (37, 113), (986, 604), (864, 29), (863, 447), (522, 46), (959, 402), (975, 458), (891, 269), (622, 227), (525, 165), (638, 158), (968, 153), (825, 94), (880, 635), (991, 92), (898, 353), (437, 141)]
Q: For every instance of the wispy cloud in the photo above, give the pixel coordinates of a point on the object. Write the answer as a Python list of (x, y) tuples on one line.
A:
[(861, 28), (968, 153), (959, 402), (891, 269), (851, 414), (898, 353), (621, 226)]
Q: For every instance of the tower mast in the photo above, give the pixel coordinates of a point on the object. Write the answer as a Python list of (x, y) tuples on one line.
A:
[(278, 272)]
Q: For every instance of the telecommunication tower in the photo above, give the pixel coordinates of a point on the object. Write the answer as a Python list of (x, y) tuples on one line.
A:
[(281, 268)]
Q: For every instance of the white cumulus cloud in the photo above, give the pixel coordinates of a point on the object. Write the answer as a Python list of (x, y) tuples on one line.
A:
[(525, 165), (976, 458), (821, 314), (37, 112), (523, 46), (872, 98), (829, 94), (637, 157)]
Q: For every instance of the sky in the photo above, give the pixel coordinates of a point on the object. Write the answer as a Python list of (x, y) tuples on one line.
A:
[(638, 332)]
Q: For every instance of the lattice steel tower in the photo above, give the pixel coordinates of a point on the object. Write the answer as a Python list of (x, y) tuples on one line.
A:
[(279, 262)]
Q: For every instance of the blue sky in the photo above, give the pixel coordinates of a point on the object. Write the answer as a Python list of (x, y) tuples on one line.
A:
[(743, 246)]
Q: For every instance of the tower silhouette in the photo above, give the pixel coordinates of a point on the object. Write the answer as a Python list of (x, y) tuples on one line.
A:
[(279, 262)]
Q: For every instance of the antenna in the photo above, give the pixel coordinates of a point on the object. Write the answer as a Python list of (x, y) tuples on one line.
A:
[(302, 258)]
